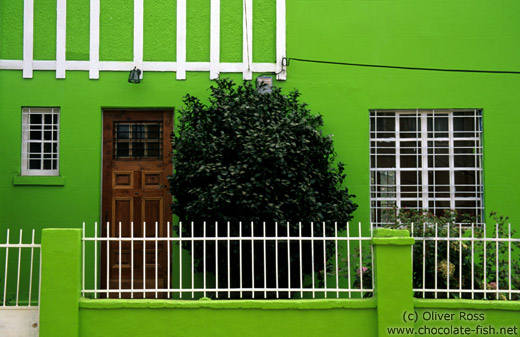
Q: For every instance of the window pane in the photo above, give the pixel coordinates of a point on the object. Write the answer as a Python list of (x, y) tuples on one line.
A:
[(35, 164), (40, 136), (35, 135), (35, 147), (411, 182), (35, 119), (122, 131), (136, 140), (447, 186), (409, 125)]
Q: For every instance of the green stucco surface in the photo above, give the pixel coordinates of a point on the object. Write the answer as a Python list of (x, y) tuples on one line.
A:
[(467, 34), (44, 30), (11, 30), (226, 322), (231, 24), (197, 30), (408, 33), (160, 29), (78, 28), (64, 313), (116, 30), (61, 282)]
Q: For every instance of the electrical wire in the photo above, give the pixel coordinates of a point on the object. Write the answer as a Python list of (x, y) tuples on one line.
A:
[(286, 62)]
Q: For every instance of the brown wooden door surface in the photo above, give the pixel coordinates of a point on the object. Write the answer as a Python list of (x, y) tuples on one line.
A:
[(136, 164)]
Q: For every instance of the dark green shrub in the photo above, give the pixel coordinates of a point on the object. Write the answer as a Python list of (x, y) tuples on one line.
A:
[(255, 157)]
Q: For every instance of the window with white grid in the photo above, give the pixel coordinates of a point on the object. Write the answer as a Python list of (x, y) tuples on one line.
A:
[(425, 160), (40, 141)]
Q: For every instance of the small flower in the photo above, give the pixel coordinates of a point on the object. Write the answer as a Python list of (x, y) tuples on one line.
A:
[(443, 268), (492, 285), (362, 270)]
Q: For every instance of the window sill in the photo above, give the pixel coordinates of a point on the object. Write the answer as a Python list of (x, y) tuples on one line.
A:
[(39, 181)]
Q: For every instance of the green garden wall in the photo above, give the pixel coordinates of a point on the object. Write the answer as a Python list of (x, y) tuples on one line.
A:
[(391, 311), (227, 318)]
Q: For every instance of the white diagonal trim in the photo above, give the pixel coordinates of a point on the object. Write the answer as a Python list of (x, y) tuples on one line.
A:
[(181, 39), (61, 36), (138, 34), (94, 40), (28, 19), (214, 40), (280, 40), (247, 45)]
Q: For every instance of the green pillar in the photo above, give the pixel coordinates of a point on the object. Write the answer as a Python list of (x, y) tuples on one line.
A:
[(60, 282), (393, 281)]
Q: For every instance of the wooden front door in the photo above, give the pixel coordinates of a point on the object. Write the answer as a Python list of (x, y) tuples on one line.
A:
[(135, 200)]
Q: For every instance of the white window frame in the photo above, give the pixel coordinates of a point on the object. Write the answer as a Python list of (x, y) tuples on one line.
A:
[(386, 188), (49, 140)]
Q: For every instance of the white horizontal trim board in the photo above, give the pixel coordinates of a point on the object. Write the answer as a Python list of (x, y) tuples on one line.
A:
[(129, 65), (180, 66)]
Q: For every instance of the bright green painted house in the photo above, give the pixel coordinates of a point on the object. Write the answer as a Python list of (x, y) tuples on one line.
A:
[(410, 138), (79, 143)]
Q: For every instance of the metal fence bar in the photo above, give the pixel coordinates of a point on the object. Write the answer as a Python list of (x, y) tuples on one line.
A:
[(6, 265), (348, 259), (312, 260), (298, 267), (465, 274), (31, 268), (509, 259), (132, 257), (336, 257), (19, 264)]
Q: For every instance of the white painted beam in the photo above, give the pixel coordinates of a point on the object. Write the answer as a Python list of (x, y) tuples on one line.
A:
[(247, 33), (214, 40), (28, 32), (138, 34), (181, 40), (61, 37), (281, 51), (94, 40)]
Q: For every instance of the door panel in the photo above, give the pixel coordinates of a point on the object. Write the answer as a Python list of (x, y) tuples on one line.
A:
[(136, 164)]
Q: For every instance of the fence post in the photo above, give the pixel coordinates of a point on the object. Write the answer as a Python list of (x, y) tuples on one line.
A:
[(393, 281), (60, 282)]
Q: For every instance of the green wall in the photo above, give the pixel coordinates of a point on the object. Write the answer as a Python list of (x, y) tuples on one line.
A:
[(241, 318), (64, 313), (476, 34)]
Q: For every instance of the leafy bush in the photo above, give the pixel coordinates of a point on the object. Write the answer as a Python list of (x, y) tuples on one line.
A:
[(464, 268), (255, 157)]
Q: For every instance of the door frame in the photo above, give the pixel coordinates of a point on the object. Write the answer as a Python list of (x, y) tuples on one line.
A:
[(106, 160)]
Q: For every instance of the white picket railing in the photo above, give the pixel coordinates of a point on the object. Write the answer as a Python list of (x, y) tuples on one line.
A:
[(20, 287), (466, 261), (246, 263)]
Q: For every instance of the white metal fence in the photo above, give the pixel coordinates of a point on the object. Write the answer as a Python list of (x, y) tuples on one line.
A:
[(20, 262), (466, 261), (244, 260)]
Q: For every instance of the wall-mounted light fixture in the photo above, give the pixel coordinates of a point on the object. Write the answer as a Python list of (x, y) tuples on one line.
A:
[(264, 84), (135, 76)]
